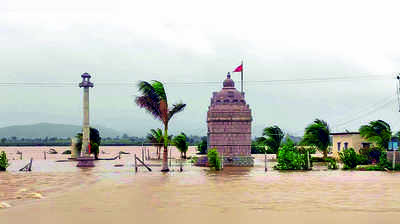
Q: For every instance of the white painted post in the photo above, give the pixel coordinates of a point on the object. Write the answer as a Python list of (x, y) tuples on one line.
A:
[(135, 164), (170, 156), (222, 162), (394, 159)]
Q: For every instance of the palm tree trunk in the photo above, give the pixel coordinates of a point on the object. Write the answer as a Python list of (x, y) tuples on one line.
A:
[(325, 153), (165, 153)]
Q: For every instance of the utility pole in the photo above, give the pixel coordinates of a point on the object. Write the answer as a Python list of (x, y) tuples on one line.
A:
[(398, 91)]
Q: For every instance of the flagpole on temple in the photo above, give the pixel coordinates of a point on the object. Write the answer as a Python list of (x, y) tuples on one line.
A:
[(241, 76)]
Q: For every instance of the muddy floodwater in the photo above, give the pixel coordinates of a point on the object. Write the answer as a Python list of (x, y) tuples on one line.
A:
[(116, 194)]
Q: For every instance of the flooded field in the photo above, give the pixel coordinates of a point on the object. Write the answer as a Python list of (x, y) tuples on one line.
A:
[(109, 194)]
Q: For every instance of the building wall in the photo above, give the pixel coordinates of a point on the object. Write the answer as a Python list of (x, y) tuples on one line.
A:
[(354, 141), (230, 138), (389, 155)]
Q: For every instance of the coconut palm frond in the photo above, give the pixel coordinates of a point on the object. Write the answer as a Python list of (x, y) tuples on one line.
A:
[(176, 108), (155, 136), (146, 89), (273, 137), (318, 134), (377, 131), (150, 106), (159, 89)]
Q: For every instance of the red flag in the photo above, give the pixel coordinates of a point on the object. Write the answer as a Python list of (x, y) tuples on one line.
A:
[(239, 68)]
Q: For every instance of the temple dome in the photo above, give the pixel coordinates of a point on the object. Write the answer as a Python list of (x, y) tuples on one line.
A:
[(228, 94), (228, 82)]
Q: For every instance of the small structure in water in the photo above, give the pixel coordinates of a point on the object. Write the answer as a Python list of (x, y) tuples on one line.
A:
[(84, 159), (229, 126)]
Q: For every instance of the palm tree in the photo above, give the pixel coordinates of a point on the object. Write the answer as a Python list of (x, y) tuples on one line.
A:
[(318, 134), (157, 138), (154, 101), (378, 132), (180, 141), (273, 138)]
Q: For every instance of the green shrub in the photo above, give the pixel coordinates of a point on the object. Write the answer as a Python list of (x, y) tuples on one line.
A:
[(3, 161), (383, 161), (213, 159), (194, 159), (363, 159), (202, 146), (349, 158), (259, 148), (332, 164), (94, 148), (310, 149), (372, 154), (289, 158), (67, 152), (373, 168)]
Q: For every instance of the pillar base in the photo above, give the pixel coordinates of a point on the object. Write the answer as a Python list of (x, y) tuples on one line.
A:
[(85, 161)]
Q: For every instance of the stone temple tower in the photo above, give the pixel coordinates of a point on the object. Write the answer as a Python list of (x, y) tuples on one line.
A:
[(229, 125)]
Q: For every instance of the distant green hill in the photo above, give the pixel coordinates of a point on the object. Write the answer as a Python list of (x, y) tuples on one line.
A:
[(42, 130), (295, 139)]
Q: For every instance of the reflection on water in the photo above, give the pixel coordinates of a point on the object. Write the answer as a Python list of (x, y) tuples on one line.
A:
[(119, 190)]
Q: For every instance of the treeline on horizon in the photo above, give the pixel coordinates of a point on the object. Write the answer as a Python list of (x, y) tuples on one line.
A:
[(124, 140)]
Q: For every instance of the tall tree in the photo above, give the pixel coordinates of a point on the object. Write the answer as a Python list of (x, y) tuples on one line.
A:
[(318, 134), (94, 140), (272, 137), (153, 99), (202, 145), (180, 141), (378, 132), (156, 137)]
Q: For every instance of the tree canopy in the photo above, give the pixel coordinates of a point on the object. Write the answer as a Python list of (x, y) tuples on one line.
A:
[(378, 132), (180, 141), (318, 134)]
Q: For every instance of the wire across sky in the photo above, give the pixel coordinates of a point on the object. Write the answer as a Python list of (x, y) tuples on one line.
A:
[(186, 83)]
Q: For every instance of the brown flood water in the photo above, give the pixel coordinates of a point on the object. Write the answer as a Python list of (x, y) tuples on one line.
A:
[(108, 194)]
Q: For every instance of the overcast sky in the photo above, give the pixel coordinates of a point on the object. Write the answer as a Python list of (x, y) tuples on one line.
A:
[(197, 41)]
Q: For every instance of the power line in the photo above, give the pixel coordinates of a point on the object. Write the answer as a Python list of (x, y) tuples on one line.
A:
[(392, 99), (365, 109), (183, 83)]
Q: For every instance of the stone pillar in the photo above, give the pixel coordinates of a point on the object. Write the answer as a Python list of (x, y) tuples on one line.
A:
[(85, 125), (85, 160)]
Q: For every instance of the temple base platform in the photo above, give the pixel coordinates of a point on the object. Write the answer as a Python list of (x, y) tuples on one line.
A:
[(85, 161), (233, 161)]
